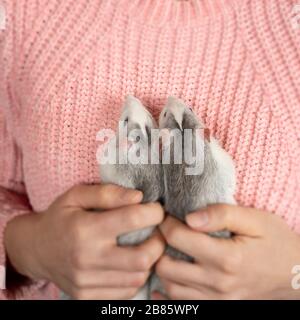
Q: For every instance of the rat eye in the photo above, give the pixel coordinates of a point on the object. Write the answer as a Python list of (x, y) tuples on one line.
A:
[(191, 109), (165, 113), (125, 121)]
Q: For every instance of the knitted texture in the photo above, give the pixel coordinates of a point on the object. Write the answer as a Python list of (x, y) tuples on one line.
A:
[(66, 66)]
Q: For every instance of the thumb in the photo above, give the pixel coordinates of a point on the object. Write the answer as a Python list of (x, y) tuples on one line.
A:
[(239, 220), (103, 196)]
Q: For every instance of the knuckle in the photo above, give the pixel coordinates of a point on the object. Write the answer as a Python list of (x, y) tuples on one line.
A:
[(222, 285), (173, 235), (227, 216), (161, 268), (72, 193), (225, 213), (157, 209), (111, 188), (218, 207), (105, 193), (140, 214), (227, 265), (172, 290), (223, 207), (144, 262), (139, 280), (232, 263), (135, 217), (157, 251), (226, 285)]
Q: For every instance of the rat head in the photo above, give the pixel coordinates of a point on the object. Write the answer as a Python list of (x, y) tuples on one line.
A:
[(176, 115), (136, 116), (182, 134), (138, 123)]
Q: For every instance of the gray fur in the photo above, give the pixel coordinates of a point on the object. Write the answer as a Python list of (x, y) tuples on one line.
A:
[(181, 193), (144, 177), (187, 193)]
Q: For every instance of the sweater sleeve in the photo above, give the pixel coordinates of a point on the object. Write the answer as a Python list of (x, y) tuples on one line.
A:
[(13, 202), (13, 199)]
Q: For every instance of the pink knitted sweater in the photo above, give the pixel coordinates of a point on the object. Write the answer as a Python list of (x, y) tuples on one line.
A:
[(65, 67)]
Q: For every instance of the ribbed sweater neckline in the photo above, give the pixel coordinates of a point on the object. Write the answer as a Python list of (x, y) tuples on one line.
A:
[(175, 12)]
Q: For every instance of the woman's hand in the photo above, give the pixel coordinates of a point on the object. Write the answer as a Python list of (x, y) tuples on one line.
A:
[(77, 249), (256, 263)]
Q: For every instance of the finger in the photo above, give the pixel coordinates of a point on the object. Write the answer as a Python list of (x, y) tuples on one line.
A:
[(106, 196), (158, 296), (130, 218), (200, 246), (177, 291), (136, 258), (239, 220), (184, 273), (110, 279)]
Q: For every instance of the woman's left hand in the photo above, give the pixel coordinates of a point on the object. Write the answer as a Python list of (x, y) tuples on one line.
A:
[(256, 263)]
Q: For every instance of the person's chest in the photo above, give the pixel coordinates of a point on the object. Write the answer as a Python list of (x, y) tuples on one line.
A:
[(73, 82)]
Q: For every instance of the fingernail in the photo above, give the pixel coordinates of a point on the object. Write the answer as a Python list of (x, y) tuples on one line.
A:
[(197, 220), (132, 195)]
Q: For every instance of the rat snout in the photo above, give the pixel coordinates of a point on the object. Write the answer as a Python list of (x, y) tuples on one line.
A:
[(175, 105), (172, 113)]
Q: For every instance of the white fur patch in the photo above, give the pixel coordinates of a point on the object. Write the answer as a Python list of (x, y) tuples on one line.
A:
[(225, 165)]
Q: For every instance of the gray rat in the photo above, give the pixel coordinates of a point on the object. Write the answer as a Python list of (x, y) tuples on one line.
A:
[(215, 180), (205, 175), (181, 192), (143, 174), (146, 177)]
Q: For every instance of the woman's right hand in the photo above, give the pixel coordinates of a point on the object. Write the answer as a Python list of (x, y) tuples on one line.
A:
[(76, 248)]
